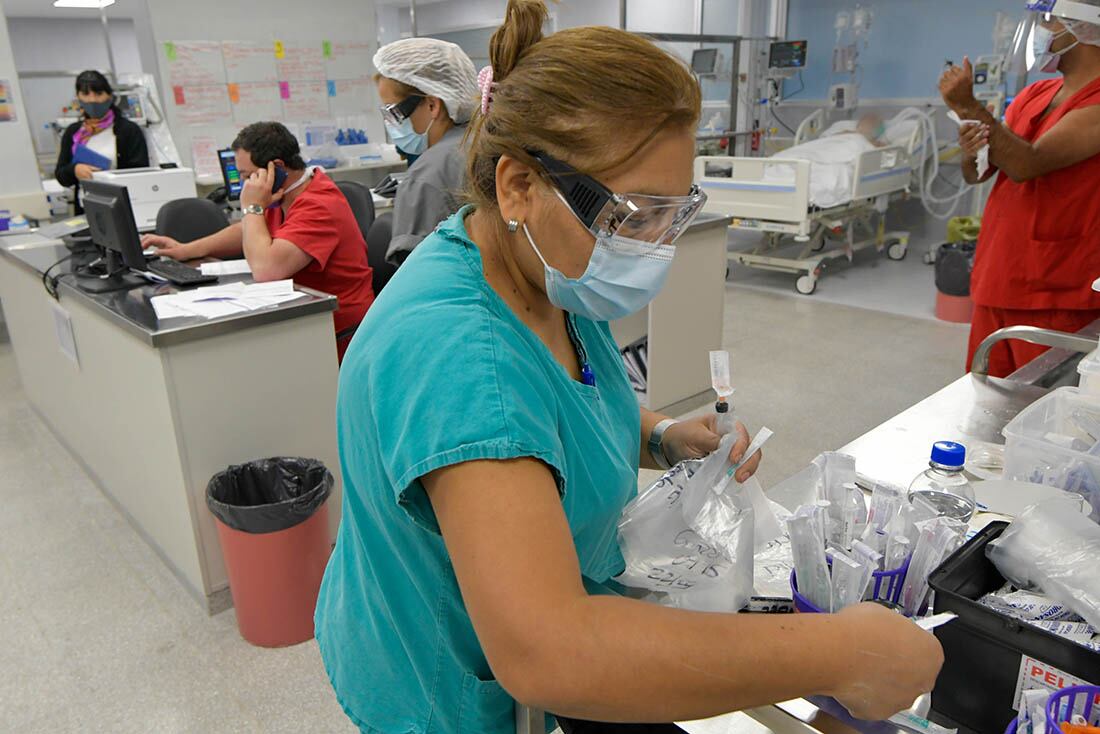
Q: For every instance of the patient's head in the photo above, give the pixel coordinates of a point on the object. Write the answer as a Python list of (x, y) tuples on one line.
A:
[(872, 127)]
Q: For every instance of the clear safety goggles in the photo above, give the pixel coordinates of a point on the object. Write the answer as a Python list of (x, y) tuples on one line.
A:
[(1066, 9), (398, 112), (657, 220)]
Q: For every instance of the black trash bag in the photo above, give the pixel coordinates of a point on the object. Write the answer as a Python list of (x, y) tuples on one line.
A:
[(954, 262), (268, 495)]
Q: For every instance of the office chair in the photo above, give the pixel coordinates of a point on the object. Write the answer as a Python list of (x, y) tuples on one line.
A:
[(186, 220), (361, 202), (378, 241)]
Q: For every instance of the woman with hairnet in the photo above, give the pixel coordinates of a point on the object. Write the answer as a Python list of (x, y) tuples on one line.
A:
[(1039, 248), (428, 89)]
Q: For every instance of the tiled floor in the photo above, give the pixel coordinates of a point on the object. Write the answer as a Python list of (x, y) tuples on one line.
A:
[(97, 636)]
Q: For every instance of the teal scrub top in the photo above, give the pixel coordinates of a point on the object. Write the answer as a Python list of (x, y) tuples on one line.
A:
[(442, 372)]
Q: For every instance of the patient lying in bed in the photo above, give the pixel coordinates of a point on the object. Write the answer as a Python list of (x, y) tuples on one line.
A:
[(833, 157)]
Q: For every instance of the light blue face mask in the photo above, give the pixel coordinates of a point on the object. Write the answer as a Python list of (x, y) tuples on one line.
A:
[(408, 139), (1042, 40), (622, 277)]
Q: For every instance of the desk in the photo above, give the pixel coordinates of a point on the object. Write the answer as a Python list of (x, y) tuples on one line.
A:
[(152, 411), (685, 320)]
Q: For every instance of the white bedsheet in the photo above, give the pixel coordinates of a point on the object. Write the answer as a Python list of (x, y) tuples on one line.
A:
[(832, 166)]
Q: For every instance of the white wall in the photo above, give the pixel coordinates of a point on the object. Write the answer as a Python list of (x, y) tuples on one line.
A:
[(20, 186), (65, 44), (52, 44), (232, 20)]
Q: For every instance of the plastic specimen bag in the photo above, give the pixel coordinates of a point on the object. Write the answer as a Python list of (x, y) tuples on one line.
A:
[(1055, 548), (681, 537)]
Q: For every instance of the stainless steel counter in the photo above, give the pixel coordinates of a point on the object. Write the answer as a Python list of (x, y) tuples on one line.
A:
[(132, 310)]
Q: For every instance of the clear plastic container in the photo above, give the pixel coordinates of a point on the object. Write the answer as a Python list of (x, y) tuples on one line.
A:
[(943, 486), (1089, 369), (1056, 441)]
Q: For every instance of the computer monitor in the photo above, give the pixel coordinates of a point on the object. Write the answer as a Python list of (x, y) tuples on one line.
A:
[(704, 61), (227, 159), (787, 55), (132, 109), (111, 223)]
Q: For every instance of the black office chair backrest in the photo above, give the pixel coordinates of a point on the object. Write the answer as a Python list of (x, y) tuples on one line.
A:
[(186, 220), (361, 202), (378, 241)]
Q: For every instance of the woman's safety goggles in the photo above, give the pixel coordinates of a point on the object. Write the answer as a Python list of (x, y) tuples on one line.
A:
[(657, 220), (398, 112)]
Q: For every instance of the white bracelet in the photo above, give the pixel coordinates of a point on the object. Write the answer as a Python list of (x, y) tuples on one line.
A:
[(656, 443)]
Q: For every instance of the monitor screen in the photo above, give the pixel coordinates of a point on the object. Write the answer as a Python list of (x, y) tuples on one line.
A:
[(704, 61), (230, 175), (787, 55), (111, 221), (130, 104)]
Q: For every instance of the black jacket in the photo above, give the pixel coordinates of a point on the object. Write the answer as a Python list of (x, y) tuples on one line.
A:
[(129, 141)]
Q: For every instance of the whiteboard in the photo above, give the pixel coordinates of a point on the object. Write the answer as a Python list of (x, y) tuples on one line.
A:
[(347, 59), (255, 102), (249, 61), (304, 101), (351, 96), (299, 61), (194, 62)]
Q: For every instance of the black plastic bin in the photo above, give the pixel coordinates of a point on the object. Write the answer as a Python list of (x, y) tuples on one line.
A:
[(984, 650)]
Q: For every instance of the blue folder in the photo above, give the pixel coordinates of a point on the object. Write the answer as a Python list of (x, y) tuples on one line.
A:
[(84, 154)]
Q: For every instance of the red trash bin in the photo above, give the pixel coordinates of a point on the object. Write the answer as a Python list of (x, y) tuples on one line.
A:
[(272, 523)]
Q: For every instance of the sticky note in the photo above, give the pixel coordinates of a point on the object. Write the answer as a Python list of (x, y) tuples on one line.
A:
[(177, 92), (331, 88), (170, 50), (326, 49), (280, 50), (234, 93), (284, 90)]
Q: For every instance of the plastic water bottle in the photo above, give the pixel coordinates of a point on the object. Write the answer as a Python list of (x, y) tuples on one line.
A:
[(943, 486)]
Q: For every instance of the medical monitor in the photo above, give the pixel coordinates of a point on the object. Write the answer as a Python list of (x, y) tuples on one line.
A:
[(227, 159), (704, 61), (787, 55)]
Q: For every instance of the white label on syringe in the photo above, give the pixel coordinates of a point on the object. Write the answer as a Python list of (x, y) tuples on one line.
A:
[(758, 442), (720, 373)]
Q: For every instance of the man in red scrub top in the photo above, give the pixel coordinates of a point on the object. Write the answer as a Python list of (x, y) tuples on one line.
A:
[(1039, 248), (296, 224)]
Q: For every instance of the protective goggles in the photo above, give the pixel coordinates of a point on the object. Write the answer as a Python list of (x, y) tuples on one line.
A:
[(398, 112), (657, 220), (1066, 9)]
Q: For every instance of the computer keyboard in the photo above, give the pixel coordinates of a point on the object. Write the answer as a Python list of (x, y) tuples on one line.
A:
[(178, 273)]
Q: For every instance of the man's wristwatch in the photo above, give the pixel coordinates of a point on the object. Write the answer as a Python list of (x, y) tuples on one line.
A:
[(655, 444), (253, 209)]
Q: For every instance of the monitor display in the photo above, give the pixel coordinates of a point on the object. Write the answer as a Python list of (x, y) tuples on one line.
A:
[(230, 175), (704, 61), (111, 221), (787, 55)]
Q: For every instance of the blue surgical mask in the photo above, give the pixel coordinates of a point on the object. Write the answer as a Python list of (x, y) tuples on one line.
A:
[(1042, 40), (622, 277), (408, 139)]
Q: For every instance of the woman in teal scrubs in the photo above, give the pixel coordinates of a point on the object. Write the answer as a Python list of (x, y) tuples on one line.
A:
[(489, 438)]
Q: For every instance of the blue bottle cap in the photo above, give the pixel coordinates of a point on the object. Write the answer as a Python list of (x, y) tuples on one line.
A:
[(948, 453)]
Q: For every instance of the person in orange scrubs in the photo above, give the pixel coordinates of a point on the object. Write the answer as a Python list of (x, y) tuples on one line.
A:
[(1039, 248)]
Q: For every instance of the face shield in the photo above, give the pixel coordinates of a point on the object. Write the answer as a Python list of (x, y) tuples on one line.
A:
[(1080, 19), (654, 220)]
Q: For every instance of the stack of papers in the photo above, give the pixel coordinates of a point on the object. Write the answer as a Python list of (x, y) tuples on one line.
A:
[(226, 267), (224, 300)]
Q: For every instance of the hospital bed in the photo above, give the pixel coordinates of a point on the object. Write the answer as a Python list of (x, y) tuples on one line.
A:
[(773, 196)]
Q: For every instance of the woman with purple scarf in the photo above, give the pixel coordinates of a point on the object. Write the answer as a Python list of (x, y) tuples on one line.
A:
[(103, 138)]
